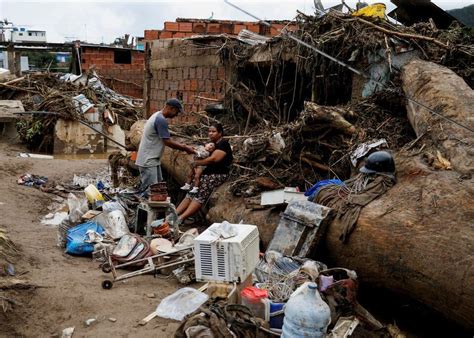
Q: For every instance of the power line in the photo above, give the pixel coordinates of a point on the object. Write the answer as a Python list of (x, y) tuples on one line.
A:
[(354, 70)]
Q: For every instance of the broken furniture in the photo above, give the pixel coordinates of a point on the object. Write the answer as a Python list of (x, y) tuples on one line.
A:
[(299, 229), (148, 211)]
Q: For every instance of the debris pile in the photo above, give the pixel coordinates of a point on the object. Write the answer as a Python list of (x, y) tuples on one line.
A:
[(297, 121), (47, 97), (298, 115)]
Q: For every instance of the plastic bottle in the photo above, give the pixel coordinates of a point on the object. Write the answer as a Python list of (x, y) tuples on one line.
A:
[(254, 299), (306, 314)]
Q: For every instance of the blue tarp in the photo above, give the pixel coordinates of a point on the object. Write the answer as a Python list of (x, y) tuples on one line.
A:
[(75, 244), (313, 191)]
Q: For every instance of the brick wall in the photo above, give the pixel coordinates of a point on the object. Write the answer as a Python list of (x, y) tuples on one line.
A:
[(182, 69), (126, 79), (188, 27)]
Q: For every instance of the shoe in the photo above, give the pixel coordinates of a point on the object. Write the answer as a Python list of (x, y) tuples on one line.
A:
[(186, 187), (194, 190)]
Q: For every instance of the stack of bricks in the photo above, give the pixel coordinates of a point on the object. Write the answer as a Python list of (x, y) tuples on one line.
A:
[(126, 79), (183, 28), (188, 72), (180, 69)]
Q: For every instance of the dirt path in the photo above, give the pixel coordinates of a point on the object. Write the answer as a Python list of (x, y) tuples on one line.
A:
[(69, 287)]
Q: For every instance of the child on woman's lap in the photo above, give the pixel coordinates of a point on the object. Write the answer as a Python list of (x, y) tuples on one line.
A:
[(194, 175)]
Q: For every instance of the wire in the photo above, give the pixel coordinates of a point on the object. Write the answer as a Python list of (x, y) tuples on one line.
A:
[(354, 70)]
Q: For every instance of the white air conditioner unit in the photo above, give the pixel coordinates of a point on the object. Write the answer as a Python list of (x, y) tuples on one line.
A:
[(226, 260)]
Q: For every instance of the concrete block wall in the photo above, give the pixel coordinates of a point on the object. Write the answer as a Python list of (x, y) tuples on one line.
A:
[(126, 79), (188, 27), (180, 68)]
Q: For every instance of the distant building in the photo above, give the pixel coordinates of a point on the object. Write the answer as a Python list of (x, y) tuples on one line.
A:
[(24, 35), (3, 60)]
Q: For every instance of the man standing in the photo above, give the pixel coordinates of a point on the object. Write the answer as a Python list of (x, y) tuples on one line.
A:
[(154, 139)]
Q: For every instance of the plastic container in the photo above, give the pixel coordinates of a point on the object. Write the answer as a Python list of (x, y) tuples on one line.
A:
[(306, 314), (273, 311), (374, 11), (93, 194), (274, 314), (255, 299)]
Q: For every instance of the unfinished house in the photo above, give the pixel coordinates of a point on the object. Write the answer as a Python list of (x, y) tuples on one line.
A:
[(122, 69), (183, 61)]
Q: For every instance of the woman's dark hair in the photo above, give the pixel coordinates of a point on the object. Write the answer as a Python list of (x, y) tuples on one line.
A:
[(219, 127)]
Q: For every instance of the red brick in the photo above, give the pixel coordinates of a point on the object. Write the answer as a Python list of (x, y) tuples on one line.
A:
[(192, 73), (171, 26), (227, 28), (265, 30), (185, 73), (185, 27), (213, 73), (198, 73), (181, 85), (274, 31), (166, 35), (201, 85), (209, 86), (255, 27), (221, 73), (179, 35), (206, 72), (214, 28), (238, 28), (218, 86), (194, 85), (152, 34), (187, 84), (199, 27)]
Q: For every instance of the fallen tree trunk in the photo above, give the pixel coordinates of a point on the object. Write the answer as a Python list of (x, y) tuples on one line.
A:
[(418, 238)]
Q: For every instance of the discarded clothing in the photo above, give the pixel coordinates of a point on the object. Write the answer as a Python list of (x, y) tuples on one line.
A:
[(313, 191), (30, 180), (348, 200), (222, 319)]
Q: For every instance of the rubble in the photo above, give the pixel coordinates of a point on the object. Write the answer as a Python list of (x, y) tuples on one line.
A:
[(50, 98), (297, 121)]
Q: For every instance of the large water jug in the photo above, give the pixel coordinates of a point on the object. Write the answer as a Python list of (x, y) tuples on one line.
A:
[(306, 314)]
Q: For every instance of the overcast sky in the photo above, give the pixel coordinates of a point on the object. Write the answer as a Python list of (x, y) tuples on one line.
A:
[(104, 21)]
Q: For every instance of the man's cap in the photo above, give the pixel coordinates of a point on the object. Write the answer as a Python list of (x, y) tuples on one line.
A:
[(175, 104)]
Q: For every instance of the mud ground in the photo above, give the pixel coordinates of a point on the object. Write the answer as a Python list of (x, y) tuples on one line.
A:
[(68, 288)]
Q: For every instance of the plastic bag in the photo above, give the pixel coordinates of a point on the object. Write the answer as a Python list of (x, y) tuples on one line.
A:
[(112, 206), (77, 207), (75, 240), (181, 303), (115, 224)]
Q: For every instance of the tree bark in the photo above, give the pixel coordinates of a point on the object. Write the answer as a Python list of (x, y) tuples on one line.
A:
[(418, 238)]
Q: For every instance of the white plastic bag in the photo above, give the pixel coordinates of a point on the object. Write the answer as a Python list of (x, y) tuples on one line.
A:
[(181, 303), (113, 205), (77, 207), (115, 224)]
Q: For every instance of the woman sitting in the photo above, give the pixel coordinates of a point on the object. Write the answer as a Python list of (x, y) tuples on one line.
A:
[(216, 172)]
